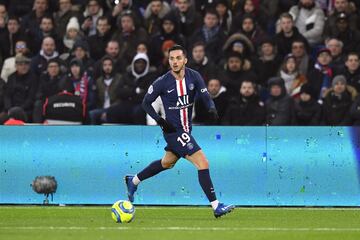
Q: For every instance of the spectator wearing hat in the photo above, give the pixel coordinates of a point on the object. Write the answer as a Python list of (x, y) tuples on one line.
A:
[(48, 51), (293, 79), (168, 31), (20, 90), (72, 35), (267, 64), (336, 48), (287, 34), (310, 20), (93, 11), (343, 32), (63, 15), (246, 108), (341, 6), (187, 18), (236, 69), (97, 42), (164, 66), (9, 64), (16, 117), (337, 103), (321, 75), (201, 63), (351, 70), (49, 84), (129, 36), (154, 12), (30, 23), (279, 106), (307, 109), (211, 34)]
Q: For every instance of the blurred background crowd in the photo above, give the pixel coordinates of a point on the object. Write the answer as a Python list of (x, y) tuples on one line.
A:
[(265, 62)]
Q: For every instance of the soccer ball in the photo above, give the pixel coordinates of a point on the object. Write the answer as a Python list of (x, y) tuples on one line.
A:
[(122, 211)]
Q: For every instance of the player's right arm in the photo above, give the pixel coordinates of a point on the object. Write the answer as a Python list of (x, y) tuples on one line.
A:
[(153, 92)]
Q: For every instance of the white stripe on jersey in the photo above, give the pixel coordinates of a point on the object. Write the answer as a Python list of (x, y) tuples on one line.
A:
[(184, 114)]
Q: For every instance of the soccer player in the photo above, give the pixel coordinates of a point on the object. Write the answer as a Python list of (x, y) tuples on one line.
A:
[(177, 89)]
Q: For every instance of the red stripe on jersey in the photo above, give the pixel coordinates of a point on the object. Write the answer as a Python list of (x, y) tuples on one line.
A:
[(183, 110)]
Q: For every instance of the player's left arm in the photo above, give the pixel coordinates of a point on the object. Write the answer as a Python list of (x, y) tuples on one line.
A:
[(203, 93)]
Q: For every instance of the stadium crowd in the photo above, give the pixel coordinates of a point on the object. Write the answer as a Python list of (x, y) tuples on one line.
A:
[(265, 62)]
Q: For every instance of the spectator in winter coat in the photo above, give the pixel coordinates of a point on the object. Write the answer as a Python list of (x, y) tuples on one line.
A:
[(188, 19), (287, 34), (201, 63), (321, 75), (336, 48), (137, 80), (342, 31), (303, 60), (337, 103), (153, 15), (211, 34), (168, 31), (107, 90), (307, 109), (63, 15), (21, 87), (351, 70), (98, 41), (9, 64), (245, 109), (218, 94), (290, 74), (49, 85), (235, 71), (279, 106), (310, 20)]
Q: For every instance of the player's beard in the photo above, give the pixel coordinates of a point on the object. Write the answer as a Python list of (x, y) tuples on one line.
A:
[(179, 71)]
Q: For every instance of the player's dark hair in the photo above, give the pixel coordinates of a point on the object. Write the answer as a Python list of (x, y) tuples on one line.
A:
[(178, 47)]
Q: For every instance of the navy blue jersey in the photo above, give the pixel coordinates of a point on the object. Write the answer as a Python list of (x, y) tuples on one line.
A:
[(178, 96)]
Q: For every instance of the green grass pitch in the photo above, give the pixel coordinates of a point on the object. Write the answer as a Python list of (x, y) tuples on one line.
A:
[(175, 223)]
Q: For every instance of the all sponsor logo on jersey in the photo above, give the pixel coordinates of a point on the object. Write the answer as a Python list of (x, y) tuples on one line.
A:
[(182, 100)]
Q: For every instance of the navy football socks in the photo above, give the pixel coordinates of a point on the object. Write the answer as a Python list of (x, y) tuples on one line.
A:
[(206, 184), (151, 170)]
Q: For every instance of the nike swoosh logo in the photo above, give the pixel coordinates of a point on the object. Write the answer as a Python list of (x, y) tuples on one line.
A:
[(169, 91)]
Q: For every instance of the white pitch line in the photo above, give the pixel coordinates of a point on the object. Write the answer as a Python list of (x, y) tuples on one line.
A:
[(258, 229), (194, 207)]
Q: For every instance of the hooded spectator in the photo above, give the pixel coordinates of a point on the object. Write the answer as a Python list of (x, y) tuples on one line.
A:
[(279, 106)]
